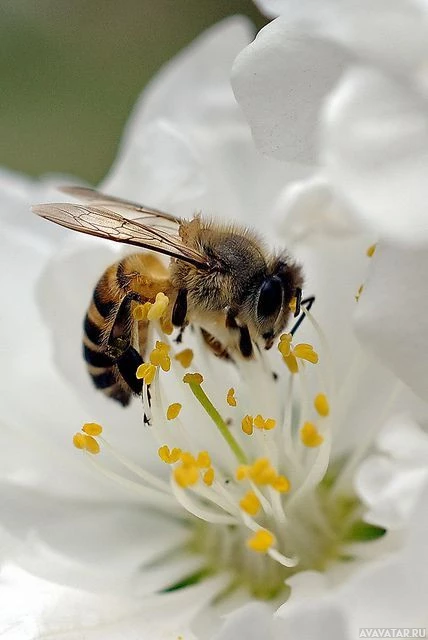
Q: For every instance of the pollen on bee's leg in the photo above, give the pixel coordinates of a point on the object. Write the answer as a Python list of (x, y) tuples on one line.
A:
[(261, 541)]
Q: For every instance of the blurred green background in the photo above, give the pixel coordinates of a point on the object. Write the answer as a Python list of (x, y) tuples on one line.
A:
[(71, 71)]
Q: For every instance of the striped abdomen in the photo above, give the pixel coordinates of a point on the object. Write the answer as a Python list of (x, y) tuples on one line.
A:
[(113, 343)]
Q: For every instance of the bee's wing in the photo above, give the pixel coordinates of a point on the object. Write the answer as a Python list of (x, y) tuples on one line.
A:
[(105, 223), (130, 210)]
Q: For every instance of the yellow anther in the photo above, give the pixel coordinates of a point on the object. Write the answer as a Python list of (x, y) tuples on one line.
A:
[(261, 541), (293, 304), (91, 445), (359, 292), (261, 423), (79, 440), (140, 312), (321, 404), (166, 326), (162, 346), (170, 456), (305, 352), (173, 410), (284, 345), (186, 476), (247, 425), (208, 476), (193, 378), (146, 372), (242, 472), (250, 503), (159, 307), (281, 484), (159, 356), (370, 251), (310, 435), (291, 362), (92, 429), (231, 400), (262, 472), (187, 459), (203, 460), (165, 362), (184, 357)]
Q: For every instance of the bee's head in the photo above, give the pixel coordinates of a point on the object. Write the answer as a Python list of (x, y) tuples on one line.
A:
[(276, 290)]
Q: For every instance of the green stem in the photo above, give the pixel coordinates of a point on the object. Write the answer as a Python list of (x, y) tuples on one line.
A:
[(202, 397)]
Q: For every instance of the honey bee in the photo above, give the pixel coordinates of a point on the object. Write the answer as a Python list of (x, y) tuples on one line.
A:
[(220, 278)]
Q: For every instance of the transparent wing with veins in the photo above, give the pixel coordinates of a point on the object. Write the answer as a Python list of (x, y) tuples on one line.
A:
[(121, 221)]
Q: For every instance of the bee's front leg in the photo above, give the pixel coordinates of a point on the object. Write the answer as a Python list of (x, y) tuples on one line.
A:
[(179, 311), (245, 343)]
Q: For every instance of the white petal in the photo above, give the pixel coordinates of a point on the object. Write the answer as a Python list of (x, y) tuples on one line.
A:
[(280, 81), (392, 313), (390, 490), (404, 440), (163, 148), (313, 618), (309, 209), (92, 544), (376, 141), (305, 584), (252, 622), (388, 33), (32, 608)]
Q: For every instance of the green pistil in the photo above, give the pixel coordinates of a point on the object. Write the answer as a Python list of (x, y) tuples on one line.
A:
[(203, 399)]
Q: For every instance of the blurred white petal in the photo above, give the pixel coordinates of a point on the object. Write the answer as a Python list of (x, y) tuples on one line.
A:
[(392, 313)]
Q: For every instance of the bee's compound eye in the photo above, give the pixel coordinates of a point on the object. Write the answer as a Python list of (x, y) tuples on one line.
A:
[(270, 298)]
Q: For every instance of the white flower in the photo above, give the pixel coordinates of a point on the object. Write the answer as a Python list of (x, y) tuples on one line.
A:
[(121, 544), (365, 64), (390, 594)]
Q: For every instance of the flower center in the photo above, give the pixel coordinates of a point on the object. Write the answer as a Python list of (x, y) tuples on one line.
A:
[(248, 457)]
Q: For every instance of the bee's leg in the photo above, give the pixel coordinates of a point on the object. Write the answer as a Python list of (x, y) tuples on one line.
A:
[(179, 338), (119, 347), (307, 303), (179, 311), (245, 343), (231, 318)]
